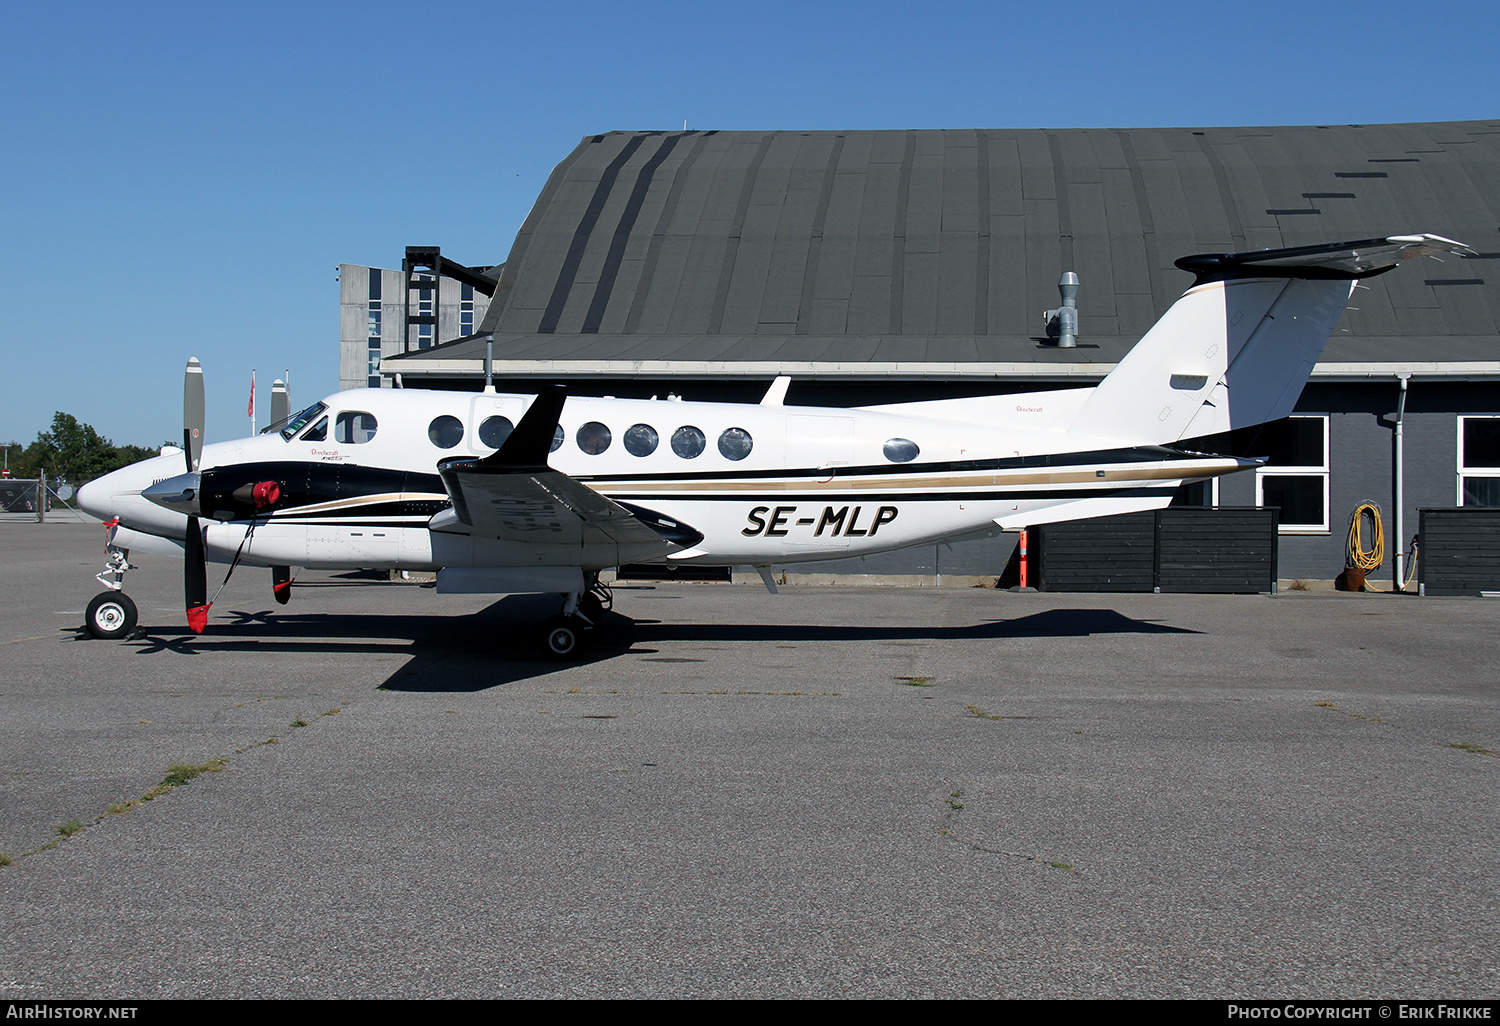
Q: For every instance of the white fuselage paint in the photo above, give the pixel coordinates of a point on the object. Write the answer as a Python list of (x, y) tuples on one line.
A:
[(816, 483)]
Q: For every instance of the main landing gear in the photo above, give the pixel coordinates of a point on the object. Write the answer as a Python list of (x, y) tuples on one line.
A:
[(111, 614), (580, 612)]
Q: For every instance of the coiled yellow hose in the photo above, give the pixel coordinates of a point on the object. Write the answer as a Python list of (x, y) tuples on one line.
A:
[(1369, 559), (1360, 557)]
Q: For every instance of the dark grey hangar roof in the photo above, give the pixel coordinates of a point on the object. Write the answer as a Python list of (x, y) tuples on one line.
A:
[(857, 254)]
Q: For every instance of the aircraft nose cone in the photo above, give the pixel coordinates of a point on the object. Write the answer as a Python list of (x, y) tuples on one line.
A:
[(179, 493), (93, 499)]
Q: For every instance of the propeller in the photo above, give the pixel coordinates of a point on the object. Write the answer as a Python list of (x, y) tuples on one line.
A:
[(194, 566)]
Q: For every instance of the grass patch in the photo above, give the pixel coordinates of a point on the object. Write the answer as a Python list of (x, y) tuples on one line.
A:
[(1472, 749), (70, 828), (299, 723), (915, 682), (183, 772), (5, 860), (974, 710)]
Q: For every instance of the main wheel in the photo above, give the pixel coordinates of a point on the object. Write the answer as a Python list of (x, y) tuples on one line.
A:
[(111, 614), (562, 638)]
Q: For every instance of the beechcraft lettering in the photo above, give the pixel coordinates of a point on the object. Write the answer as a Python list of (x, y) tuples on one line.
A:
[(777, 522), (538, 494)]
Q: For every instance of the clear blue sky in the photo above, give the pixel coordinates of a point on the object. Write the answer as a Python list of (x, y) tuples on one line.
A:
[(181, 179)]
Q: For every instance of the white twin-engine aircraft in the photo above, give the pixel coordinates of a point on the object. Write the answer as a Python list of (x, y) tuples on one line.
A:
[(532, 494)]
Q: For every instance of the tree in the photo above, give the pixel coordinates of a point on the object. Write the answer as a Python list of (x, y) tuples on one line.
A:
[(74, 452)]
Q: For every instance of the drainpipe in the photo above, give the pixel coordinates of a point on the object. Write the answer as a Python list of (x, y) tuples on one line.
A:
[(1400, 482)]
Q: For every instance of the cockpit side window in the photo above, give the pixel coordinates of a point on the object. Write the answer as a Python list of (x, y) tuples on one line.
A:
[(301, 420), (354, 427), (317, 433)]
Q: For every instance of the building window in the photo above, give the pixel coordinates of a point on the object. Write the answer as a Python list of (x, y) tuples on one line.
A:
[(372, 330), (425, 307), (1295, 476), (1479, 461), (465, 311)]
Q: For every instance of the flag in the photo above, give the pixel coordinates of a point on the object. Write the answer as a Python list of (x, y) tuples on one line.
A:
[(250, 412)]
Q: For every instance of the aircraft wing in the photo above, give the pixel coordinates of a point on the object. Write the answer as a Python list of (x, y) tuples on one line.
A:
[(513, 498)]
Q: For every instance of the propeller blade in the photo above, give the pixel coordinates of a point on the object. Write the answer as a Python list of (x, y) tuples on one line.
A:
[(195, 578), (281, 584), (192, 413)]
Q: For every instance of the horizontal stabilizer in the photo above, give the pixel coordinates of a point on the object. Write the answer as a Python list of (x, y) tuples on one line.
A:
[(1334, 260)]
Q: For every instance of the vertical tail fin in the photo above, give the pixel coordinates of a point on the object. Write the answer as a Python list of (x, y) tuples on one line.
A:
[(1238, 346)]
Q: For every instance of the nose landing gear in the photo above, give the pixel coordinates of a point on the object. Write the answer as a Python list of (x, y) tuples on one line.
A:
[(111, 614)]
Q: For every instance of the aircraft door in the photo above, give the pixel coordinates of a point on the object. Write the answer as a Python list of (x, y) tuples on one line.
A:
[(491, 420), (817, 441)]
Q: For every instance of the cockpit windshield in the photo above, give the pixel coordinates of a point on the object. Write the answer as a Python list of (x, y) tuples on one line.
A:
[(302, 419)]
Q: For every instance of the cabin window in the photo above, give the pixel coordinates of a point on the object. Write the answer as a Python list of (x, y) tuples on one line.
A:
[(641, 440), (494, 431), (1295, 476), (301, 420), (735, 443), (354, 427), (557, 438), (317, 433), (594, 438), (445, 432), (901, 450), (1479, 461), (688, 442)]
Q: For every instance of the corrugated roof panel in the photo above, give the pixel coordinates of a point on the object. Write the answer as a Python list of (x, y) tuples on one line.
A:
[(934, 233), (919, 295)]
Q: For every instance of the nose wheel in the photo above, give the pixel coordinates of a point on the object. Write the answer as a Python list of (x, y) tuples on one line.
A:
[(110, 615)]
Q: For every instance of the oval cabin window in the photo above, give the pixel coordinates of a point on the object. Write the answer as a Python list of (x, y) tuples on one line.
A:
[(594, 438), (494, 431), (445, 432), (901, 450), (688, 442), (735, 443), (641, 440)]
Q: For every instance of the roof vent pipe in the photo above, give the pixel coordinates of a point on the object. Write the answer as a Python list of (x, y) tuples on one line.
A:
[(489, 364), (1062, 323)]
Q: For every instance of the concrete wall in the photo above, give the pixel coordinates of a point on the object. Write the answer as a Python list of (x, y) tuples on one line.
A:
[(354, 286)]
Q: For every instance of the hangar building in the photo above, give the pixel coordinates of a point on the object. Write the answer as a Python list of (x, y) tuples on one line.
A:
[(884, 266)]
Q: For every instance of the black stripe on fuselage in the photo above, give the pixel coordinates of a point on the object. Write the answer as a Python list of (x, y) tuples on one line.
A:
[(879, 496), (1141, 454)]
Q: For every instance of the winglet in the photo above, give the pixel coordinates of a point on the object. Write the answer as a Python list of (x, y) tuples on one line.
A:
[(529, 444)]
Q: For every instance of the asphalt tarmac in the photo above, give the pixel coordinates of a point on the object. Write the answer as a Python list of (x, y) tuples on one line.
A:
[(857, 792)]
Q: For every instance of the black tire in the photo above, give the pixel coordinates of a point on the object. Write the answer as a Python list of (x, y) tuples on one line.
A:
[(591, 606), (562, 639), (111, 614)]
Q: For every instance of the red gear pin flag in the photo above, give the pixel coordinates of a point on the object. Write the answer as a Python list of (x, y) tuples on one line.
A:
[(250, 410)]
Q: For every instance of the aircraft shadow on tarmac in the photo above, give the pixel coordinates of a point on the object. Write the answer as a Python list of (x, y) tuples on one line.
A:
[(501, 643)]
